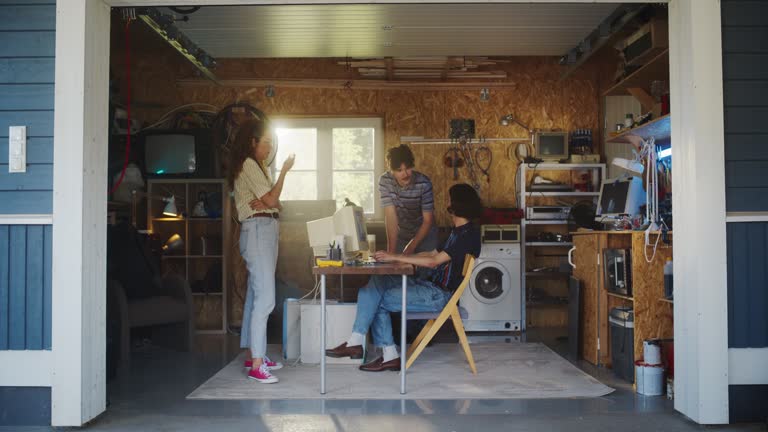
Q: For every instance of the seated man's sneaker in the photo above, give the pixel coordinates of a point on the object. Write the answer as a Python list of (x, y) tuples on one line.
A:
[(262, 375), (270, 364), (353, 352), (379, 365)]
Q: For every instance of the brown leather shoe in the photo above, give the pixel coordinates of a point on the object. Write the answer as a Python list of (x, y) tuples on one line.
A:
[(379, 365), (353, 352)]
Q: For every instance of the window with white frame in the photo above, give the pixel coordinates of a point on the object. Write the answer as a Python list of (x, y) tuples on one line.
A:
[(336, 158)]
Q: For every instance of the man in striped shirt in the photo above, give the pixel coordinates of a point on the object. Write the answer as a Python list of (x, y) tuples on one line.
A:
[(408, 203)]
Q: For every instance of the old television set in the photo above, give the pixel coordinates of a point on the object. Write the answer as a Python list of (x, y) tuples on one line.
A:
[(178, 153), (348, 221), (551, 146), (620, 197)]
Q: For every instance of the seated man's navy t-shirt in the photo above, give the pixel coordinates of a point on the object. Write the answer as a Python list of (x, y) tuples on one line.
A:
[(462, 241)]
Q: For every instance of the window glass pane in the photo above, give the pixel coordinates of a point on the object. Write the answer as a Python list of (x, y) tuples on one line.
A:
[(300, 185), (357, 186), (303, 142), (353, 148)]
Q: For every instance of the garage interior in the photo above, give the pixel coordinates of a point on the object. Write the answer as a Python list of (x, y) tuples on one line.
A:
[(511, 71)]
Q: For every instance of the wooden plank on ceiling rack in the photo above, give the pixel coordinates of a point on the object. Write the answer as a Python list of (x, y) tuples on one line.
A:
[(658, 128), (597, 41), (342, 84), (656, 69)]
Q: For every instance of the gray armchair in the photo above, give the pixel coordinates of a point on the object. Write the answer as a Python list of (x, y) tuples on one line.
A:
[(169, 313)]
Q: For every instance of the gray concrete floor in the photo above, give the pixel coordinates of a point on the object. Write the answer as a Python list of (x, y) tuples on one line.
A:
[(150, 396)]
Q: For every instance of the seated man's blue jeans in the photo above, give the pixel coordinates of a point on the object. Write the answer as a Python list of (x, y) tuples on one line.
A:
[(383, 294)]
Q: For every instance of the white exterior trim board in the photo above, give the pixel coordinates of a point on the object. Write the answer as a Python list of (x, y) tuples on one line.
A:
[(733, 217), (28, 368), (26, 219), (700, 320), (78, 390), (747, 366)]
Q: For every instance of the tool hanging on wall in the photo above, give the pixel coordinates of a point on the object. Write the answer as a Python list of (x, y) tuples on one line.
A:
[(465, 145), (484, 158), (453, 159)]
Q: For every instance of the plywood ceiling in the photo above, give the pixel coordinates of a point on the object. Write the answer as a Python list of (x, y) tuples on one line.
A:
[(396, 30)]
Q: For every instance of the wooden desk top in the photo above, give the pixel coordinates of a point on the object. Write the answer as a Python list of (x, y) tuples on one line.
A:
[(368, 269)]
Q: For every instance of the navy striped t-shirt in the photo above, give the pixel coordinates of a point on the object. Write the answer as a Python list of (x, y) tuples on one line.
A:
[(409, 201), (462, 241)]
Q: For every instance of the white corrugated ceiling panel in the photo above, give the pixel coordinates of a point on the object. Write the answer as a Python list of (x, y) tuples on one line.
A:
[(397, 30)]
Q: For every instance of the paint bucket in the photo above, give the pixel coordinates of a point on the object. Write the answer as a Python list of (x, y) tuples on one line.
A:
[(649, 379), (652, 352)]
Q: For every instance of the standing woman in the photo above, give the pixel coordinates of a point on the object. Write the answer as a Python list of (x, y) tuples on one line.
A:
[(258, 210)]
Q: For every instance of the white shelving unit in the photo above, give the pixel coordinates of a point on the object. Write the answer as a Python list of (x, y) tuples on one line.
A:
[(526, 197)]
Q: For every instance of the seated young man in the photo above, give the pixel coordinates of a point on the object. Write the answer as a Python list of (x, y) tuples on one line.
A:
[(382, 294)]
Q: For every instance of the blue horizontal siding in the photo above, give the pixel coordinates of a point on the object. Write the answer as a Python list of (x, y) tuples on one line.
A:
[(747, 285), (27, 17), (26, 97), (745, 96), (37, 178), (38, 123), (26, 70), (39, 151), (25, 287), (28, 44)]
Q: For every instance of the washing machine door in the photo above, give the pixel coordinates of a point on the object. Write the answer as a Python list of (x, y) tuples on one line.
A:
[(490, 282)]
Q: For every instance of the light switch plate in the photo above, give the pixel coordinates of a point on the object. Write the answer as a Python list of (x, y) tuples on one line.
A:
[(17, 149)]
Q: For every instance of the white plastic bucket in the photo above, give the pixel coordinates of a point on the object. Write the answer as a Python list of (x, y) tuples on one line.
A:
[(651, 352), (649, 379)]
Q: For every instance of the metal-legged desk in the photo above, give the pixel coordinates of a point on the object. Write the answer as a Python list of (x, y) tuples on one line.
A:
[(376, 269)]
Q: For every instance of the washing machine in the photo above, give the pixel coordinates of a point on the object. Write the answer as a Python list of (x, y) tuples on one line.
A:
[(493, 298)]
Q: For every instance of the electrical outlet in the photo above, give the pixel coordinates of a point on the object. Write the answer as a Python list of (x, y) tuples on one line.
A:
[(17, 149)]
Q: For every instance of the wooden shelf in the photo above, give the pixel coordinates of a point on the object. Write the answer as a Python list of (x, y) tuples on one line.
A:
[(667, 300), (656, 69), (548, 222), (621, 296), (207, 294), (549, 244), (192, 219), (168, 219), (659, 129)]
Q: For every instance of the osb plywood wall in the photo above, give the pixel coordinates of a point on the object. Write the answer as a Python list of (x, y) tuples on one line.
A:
[(534, 96), (532, 93)]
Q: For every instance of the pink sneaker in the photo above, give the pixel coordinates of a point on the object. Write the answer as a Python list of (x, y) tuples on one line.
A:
[(270, 364), (262, 375)]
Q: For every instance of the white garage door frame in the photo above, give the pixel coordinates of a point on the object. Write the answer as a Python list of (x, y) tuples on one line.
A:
[(80, 179)]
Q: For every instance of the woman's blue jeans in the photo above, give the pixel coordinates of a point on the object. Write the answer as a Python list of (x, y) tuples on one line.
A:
[(258, 246), (382, 295)]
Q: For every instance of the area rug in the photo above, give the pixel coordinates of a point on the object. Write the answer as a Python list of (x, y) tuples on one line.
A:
[(505, 371)]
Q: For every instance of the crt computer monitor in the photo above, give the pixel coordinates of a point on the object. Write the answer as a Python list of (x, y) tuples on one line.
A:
[(620, 196), (348, 221), (551, 146)]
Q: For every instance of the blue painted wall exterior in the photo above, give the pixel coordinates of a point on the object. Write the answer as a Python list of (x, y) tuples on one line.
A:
[(27, 50), (745, 94), (745, 91), (25, 287)]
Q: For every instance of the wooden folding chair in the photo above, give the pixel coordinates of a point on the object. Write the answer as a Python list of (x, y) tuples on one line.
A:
[(451, 310)]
